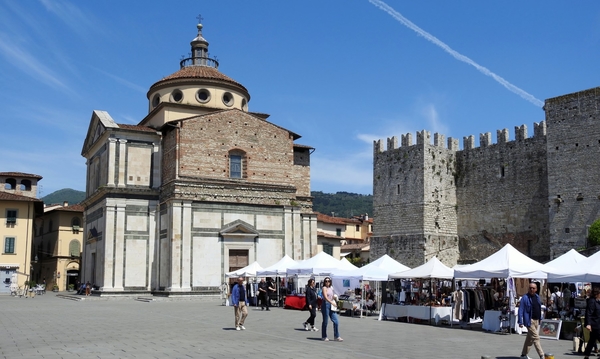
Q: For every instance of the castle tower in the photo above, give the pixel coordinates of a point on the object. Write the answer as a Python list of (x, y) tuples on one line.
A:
[(573, 131), (414, 199)]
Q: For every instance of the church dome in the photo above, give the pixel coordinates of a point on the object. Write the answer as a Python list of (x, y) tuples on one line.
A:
[(199, 83)]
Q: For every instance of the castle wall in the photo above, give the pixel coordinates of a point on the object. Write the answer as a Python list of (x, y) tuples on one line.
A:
[(573, 181), (414, 200), (501, 194)]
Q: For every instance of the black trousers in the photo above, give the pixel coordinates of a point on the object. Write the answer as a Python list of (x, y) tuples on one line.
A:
[(594, 335), (313, 314), (264, 297)]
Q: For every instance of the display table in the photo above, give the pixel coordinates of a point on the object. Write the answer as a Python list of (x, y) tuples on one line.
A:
[(295, 302), (491, 321), (418, 312)]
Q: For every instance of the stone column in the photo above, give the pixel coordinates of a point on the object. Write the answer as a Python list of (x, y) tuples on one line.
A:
[(122, 162), (112, 148), (175, 236), (109, 250), (186, 245), (119, 246)]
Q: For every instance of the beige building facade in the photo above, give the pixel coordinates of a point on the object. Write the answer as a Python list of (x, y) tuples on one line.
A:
[(200, 187), (57, 246), (18, 208)]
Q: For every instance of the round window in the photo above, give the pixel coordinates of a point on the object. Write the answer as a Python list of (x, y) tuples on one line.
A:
[(155, 100), (177, 96), (203, 96), (228, 99)]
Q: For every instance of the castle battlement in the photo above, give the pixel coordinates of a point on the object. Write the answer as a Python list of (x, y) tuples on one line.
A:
[(452, 144)]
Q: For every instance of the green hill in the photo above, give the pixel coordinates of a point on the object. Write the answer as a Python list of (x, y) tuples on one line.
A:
[(66, 194), (343, 204)]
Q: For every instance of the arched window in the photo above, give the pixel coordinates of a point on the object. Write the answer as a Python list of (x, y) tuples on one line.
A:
[(74, 248), (25, 185), (11, 183), (76, 222), (237, 159)]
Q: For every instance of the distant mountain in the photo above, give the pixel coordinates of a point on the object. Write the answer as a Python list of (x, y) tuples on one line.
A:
[(66, 194), (342, 204)]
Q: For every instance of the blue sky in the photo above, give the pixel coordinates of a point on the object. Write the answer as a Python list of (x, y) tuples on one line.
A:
[(339, 73)]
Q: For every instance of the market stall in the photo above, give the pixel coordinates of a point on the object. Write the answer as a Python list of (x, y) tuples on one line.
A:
[(430, 271), (251, 286), (278, 270), (507, 264), (321, 264), (352, 284)]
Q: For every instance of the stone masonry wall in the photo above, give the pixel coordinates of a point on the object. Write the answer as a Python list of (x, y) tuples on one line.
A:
[(502, 195), (573, 172)]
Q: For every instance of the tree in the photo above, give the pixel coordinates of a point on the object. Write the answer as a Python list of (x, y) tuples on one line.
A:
[(594, 233)]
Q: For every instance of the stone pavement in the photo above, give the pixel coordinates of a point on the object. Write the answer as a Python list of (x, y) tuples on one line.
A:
[(50, 327)]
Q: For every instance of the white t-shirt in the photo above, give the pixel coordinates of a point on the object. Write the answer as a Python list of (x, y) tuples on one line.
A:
[(556, 298)]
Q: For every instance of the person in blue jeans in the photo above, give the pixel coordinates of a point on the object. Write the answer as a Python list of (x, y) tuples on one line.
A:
[(328, 301)]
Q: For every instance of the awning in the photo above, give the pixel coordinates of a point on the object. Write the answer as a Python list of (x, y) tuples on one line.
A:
[(9, 265)]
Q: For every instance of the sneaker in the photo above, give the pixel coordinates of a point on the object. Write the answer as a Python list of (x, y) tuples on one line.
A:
[(524, 357), (325, 339), (314, 329), (237, 328), (268, 309), (339, 339), (243, 327), (305, 326)]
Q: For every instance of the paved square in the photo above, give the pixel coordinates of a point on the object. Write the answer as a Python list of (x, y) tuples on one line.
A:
[(50, 327)]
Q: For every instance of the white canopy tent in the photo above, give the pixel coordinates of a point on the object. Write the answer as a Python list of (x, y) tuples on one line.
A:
[(507, 262), (430, 270), (279, 268), (587, 270), (564, 264), (248, 271), (346, 265), (320, 264), (377, 271)]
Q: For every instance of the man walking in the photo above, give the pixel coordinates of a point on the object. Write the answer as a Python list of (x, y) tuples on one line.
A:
[(240, 302), (530, 313)]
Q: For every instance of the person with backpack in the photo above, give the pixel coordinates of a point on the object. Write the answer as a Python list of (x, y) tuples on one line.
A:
[(557, 300)]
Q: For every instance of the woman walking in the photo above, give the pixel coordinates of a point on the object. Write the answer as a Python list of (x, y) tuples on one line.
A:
[(592, 320), (311, 304), (329, 302)]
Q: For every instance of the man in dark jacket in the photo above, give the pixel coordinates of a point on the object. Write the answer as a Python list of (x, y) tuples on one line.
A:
[(530, 313), (311, 304), (239, 302), (592, 320)]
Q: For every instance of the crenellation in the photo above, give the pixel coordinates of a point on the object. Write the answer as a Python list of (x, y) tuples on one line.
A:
[(464, 205), (423, 137), (468, 142), (502, 135), (539, 129), (452, 144), (438, 140), (392, 143), (521, 133), (377, 147), (485, 139), (407, 140)]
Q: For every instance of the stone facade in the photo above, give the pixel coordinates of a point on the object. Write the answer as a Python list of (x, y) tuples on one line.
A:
[(539, 194), (200, 187)]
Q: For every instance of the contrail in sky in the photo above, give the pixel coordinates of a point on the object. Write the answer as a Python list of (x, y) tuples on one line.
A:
[(396, 15)]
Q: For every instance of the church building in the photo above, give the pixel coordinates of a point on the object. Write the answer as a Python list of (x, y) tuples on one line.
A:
[(199, 187)]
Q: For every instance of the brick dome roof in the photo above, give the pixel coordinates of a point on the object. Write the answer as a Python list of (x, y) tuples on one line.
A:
[(198, 73)]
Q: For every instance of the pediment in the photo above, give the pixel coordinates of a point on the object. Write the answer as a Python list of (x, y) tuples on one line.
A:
[(99, 122), (238, 227)]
